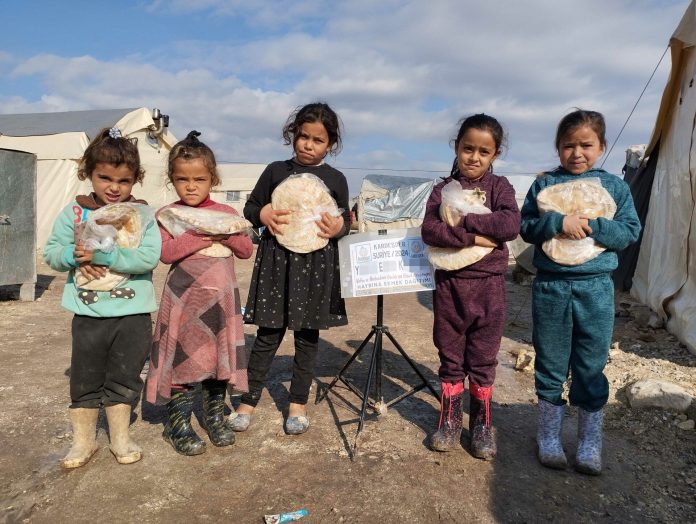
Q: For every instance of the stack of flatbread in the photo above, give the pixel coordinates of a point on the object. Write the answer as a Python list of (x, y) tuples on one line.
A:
[(585, 196), (306, 196), (126, 230), (179, 219), (455, 205)]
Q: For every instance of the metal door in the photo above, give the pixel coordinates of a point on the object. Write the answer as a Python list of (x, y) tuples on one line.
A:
[(18, 221)]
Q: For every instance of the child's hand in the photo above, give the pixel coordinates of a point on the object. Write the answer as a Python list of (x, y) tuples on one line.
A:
[(91, 272), (329, 226), (483, 241), (274, 218), (576, 227), (82, 255)]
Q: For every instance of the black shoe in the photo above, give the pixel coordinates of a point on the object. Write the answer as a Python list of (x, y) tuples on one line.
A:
[(178, 430), (214, 413), (449, 431), (481, 432)]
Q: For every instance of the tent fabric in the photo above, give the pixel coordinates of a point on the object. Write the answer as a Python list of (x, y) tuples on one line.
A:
[(641, 183), (58, 155), (49, 147), (37, 124), (665, 277)]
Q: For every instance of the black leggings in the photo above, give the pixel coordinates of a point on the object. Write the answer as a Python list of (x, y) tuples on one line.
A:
[(265, 347)]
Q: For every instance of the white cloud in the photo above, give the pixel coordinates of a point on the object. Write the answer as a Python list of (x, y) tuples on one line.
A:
[(380, 64)]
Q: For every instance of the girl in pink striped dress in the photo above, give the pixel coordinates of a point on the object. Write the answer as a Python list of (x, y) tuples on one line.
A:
[(199, 336)]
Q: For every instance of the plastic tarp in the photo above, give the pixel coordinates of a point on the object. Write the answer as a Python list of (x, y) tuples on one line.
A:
[(392, 202), (665, 277)]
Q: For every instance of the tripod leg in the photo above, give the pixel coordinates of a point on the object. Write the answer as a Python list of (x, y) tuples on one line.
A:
[(412, 364), (345, 366), (366, 393)]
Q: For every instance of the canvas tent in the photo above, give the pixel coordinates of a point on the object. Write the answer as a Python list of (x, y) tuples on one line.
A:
[(665, 275), (59, 140)]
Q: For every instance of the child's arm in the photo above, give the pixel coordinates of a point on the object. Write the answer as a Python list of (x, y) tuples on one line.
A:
[(258, 198), (437, 233), (503, 224), (136, 261), (537, 229), (623, 230), (175, 249), (342, 200), (240, 244), (59, 252)]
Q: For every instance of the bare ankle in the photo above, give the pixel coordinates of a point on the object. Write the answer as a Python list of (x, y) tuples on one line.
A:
[(245, 409), (297, 410)]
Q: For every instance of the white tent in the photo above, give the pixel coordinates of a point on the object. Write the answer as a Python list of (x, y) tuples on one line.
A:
[(665, 276), (59, 140)]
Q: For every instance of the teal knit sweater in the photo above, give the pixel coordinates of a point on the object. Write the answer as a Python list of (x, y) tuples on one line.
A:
[(615, 234), (139, 262)]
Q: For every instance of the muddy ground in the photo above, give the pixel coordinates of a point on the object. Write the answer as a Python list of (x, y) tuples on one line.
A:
[(650, 464)]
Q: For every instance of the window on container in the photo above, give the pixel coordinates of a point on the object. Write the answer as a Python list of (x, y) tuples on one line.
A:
[(232, 196)]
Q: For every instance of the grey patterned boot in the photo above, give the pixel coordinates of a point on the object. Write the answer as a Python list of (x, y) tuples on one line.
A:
[(588, 459), (549, 444)]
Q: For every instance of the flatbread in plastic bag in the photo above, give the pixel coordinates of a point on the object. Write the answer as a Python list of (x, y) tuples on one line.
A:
[(115, 225), (306, 196), (179, 219), (456, 203), (585, 196)]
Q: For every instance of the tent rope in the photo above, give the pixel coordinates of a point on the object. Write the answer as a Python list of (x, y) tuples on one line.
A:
[(634, 107)]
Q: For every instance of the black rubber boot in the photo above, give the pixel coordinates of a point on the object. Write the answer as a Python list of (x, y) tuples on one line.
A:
[(178, 430), (214, 413), (481, 431), (449, 431)]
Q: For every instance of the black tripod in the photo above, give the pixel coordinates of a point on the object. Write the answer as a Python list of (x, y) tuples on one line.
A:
[(375, 373)]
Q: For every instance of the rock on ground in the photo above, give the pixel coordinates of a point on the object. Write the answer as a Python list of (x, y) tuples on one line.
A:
[(659, 394)]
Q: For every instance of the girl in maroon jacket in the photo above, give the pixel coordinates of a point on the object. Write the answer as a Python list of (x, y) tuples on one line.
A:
[(469, 303)]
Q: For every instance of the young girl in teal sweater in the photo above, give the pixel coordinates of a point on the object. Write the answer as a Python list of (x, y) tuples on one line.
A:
[(573, 303), (111, 330)]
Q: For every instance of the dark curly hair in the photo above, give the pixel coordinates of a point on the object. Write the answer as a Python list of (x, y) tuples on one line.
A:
[(309, 114), (105, 149)]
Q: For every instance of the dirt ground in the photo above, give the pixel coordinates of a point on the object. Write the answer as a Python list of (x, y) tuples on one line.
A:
[(650, 464)]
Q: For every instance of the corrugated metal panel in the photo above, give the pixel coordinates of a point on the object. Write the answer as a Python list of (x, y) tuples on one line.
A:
[(17, 218)]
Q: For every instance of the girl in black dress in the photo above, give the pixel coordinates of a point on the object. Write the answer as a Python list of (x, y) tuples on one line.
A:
[(294, 290)]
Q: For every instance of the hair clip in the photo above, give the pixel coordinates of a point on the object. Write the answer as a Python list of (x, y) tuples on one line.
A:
[(115, 132)]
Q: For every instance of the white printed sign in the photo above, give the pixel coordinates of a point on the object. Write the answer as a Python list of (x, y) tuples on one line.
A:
[(374, 264)]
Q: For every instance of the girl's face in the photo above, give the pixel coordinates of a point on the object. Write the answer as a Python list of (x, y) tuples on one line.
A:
[(476, 151), (112, 183), (579, 149), (311, 143), (192, 180)]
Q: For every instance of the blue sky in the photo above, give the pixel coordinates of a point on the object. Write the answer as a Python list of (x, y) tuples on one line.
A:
[(399, 73)]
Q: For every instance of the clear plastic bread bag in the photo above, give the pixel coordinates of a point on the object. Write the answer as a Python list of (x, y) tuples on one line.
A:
[(307, 197), (456, 203), (585, 196), (115, 225), (178, 219)]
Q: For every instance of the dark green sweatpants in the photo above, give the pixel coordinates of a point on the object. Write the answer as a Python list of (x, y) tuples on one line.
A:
[(573, 327)]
